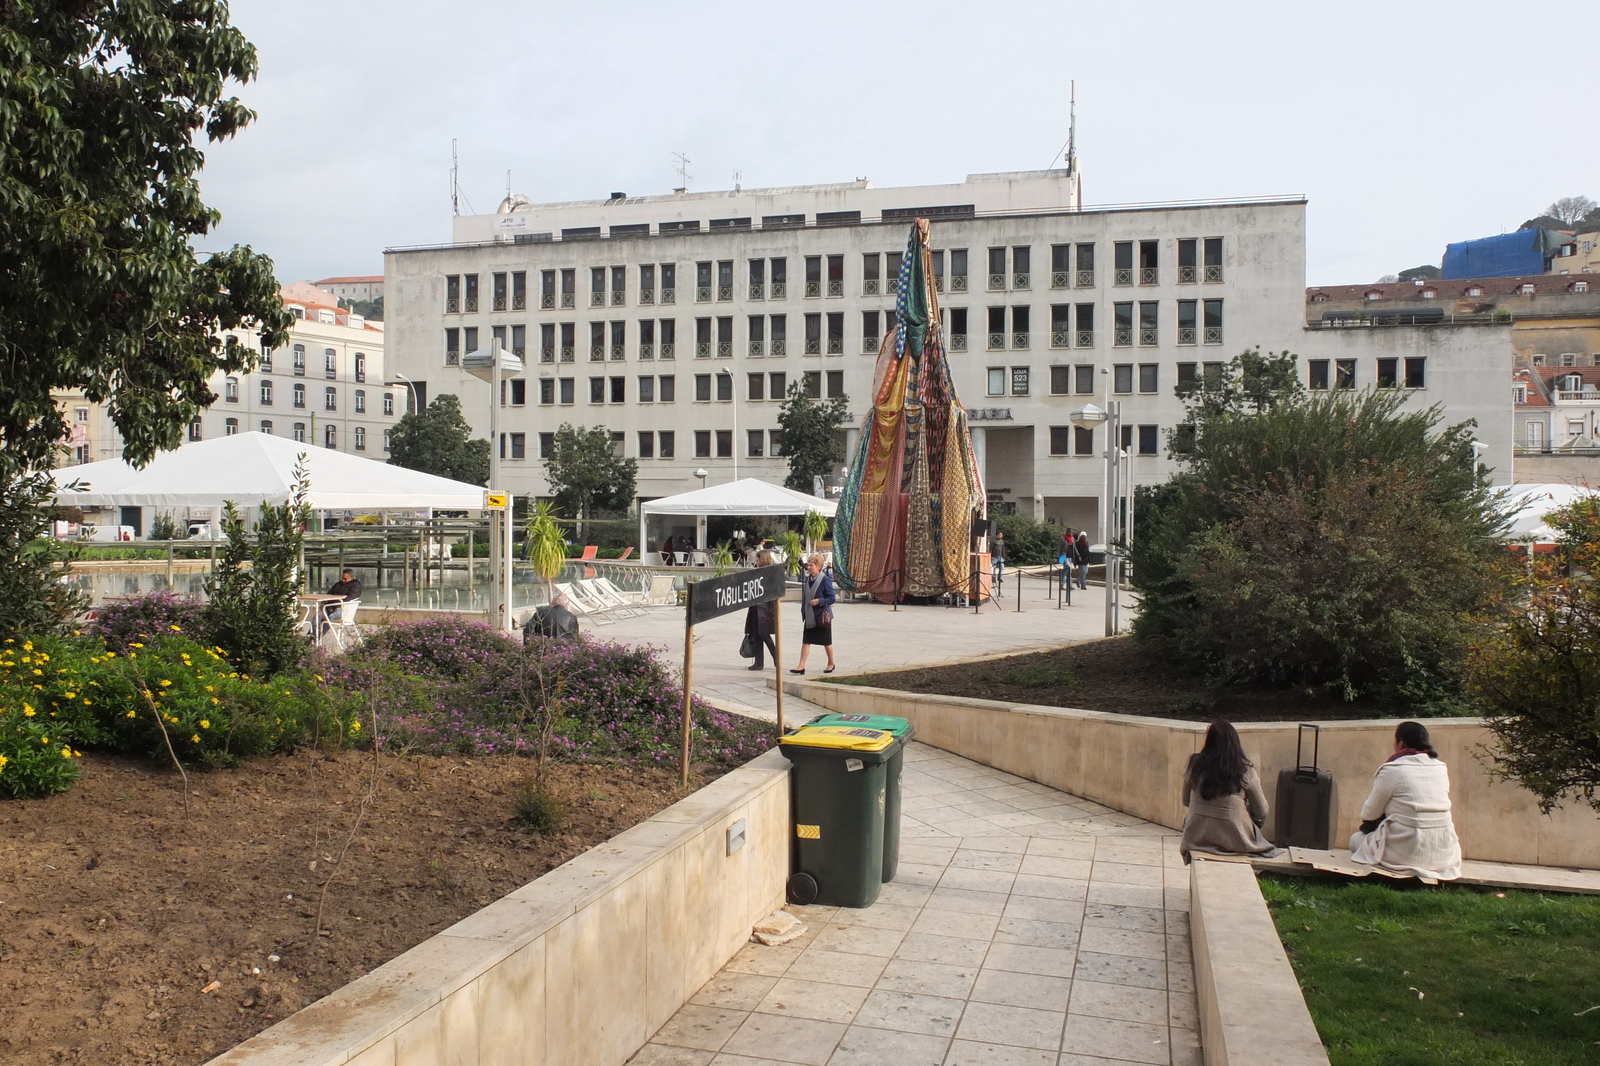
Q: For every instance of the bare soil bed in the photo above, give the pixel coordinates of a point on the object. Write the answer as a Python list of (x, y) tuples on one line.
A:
[(1123, 677), (132, 931)]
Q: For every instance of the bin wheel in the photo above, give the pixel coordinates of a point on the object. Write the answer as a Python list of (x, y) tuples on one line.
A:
[(802, 889)]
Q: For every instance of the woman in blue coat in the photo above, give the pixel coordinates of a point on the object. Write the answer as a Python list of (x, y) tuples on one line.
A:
[(816, 611)]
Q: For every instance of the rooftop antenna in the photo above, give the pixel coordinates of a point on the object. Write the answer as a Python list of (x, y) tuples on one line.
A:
[(455, 180), (508, 183), (682, 168), (1072, 127), (737, 176)]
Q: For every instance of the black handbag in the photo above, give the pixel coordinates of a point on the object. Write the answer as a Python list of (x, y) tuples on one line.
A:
[(747, 647)]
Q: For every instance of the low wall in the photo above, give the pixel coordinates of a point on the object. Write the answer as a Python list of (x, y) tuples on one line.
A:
[(1251, 1010), (576, 968), (1136, 764)]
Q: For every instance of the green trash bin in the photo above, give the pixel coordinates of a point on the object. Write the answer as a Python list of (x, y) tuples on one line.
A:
[(837, 797), (903, 731)]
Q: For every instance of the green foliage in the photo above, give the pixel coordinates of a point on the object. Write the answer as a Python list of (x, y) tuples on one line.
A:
[(585, 473), (33, 596), (1425, 272), (104, 111), (537, 809), (722, 558), (1029, 542), (811, 435), (439, 441), (164, 527), (793, 551), (546, 544), (372, 309), (251, 608), (815, 524), (1403, 976), (1536, 662), (1334, 540)]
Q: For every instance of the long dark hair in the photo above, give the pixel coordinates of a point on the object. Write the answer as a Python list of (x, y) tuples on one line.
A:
[(1414, 735), (1219, 767)]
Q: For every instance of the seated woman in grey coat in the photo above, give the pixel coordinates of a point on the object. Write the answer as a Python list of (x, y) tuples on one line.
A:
[(1223, 793)]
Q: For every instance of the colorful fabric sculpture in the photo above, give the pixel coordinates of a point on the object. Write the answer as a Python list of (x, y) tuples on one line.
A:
[(905, 517)]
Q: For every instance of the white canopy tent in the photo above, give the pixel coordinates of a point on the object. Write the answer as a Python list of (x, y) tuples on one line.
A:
[(251, 468), (1532, 503), (746, 497)]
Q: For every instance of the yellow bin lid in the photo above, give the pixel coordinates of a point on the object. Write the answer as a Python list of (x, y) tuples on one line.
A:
[(851, 738)]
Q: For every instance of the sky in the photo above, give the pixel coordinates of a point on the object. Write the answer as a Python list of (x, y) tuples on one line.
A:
[(1406, 126)]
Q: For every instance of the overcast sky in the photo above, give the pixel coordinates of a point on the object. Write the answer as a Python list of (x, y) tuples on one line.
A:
[(1407, 126)]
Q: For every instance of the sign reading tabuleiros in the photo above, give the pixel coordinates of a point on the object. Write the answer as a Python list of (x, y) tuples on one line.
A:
[(715, 596)]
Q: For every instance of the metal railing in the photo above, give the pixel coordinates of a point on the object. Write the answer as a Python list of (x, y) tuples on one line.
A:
[(869, 346), (1214, 273), (1122, 338), (1149, 338), (813, 288), (669, 296), (702, 349), (757, 292), (567, 353), (1060, 338), (547, 355), (452, 307), (724, 292), (519, 303), (835, 288), (647, 351), (1085, 338), (779, 290), (569, 300), (597, 353), (1188, 275), (597, 298), (547, 302), (869, 287), (724, 349), (1122, 276), (756, 348), (997, 342), (958, 283), (499, 303), (835, 346), (702, 294), (471, 306), (813, 347), (1149, 276), (778, 348), (619, 297), (1085, 279), (668, 351), (619, 351), (1022, 280), (1019, 342), (997, 283), (1188, 335), (647, 296), (452, 357), (958, 342), (1213, 335), (1060, 279)]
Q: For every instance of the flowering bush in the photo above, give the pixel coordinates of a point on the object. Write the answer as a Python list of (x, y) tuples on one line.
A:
[(36, 741), (444, 649), (144, 618)]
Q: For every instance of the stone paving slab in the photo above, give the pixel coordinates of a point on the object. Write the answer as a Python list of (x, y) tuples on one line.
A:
[(1061, 941)]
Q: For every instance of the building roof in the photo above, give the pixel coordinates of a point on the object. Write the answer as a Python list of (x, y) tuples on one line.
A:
[(1454, 288), (370, 279)]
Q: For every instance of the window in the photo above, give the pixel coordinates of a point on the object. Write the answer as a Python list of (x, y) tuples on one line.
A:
[(597, 390), (597, 286), (724, 337), (519, 290), (958, 270), (958, 329), (619, 286), (1147, 440), (230, 390), (1060, 381), (359, 438), (266, 427), (775, 442), (1213, 322), (597, 342), (300, 354), (1021, 267), (547, 390), (388, 436), (1344, 373), (724, 444), (725, 279), (1122, 263), (1574, 427), (1534, 435), (756, 327), (1416, 372), (814, 334), (702, 444), (702, 388), (724, 386), (1082, 441), (666, 389), (1149, 377), (619, 340), (1519, 394), (1148, 332), (619, 390), (330, 436), (647, 389), (452, 294), (1122, 325), (568, 388), (1083, 379), (1188, 321), (1061, 440), (754, 441), (1187, 373), (1188, 266), (1122, 377), (388, 403), (330, 399), (266, 392), (1084, 337), (1060, 267), (547, 445), (835, 383), (997, 329), (835, 275), (1526, 289), (666, 444), (299, 395), (755, 386), (938, 270), (1388, 373), (776, 385), (230, 427), (266, 360), (299, 432), (997, 381), (1019, 328), (835, 332), (892, 262), (361, 401), (519, 445), (870, 262), (778, 326), (498, 292), (469, 338), (813, 384), (1213, 259), (1149, 272), (330, 363), (1060, 325), (1317, 374), (1019, 380)]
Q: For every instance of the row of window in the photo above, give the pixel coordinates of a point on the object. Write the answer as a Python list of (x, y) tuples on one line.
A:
[(1010, 268), (1009, 328), (1078, 440), (297, 396), (664, 388), (661, 444), (330, 434), (330, 362)]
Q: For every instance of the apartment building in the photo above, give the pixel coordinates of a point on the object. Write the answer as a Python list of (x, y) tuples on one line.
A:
[(678, 322)]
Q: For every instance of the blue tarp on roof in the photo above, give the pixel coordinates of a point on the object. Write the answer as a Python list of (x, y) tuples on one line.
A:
[(1509, 255)]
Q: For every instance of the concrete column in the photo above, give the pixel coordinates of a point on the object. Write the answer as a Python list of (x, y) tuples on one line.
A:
[(851, 438), (980, 452)]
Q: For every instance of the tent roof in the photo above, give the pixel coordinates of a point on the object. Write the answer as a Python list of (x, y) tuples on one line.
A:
[(1532, 503), (249, 468), (748, 496)]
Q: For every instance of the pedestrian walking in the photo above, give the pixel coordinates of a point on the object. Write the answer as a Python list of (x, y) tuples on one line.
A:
[(1067, 556), (997, 560), (1082, 544), (816, 612), (761, 622)]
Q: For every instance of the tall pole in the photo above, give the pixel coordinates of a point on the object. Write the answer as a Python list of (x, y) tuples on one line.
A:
[(497, 606), (777, 655), (1113, 504), (688, 679)]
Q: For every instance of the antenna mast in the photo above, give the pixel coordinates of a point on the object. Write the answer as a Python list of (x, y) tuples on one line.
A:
[(1072, 129), (682, 167), (455, 180)]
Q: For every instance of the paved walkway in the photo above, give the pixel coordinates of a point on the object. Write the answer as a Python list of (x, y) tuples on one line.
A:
[(1026, 927), (868, 637)]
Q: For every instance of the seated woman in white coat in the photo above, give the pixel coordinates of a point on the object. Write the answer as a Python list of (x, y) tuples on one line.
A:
[(1405, 823)]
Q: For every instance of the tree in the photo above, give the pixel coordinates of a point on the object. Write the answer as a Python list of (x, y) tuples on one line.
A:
[(439, 441), (1537, 660), (1425, 272), (1329, 539), (102, 108), (250, 598), (1570, 209), (810, 430), (369, 309), (586, 474), (547, 547)]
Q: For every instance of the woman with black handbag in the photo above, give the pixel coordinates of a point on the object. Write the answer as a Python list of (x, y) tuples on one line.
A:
[(816, 611), (760, 623)]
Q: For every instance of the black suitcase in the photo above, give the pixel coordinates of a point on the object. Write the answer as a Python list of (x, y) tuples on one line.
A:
[(1307, 803)]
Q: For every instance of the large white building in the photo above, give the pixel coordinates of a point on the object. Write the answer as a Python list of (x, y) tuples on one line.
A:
[(678, 321)]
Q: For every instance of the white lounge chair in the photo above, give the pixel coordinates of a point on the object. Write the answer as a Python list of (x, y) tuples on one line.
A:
[(610, 599), (662, 592), (580, 603)]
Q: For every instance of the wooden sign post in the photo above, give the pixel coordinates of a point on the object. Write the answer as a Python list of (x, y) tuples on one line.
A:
[(712, 598)]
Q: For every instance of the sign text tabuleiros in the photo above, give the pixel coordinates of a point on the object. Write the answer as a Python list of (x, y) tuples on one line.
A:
[(716, 596)]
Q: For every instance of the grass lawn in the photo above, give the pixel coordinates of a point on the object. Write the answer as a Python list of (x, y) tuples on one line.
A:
[(1412, 976)]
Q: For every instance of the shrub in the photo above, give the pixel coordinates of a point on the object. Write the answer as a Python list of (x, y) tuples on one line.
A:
[(251, 608), (37, 734), (33, 760), (537, 809), (1029, 542), (448, 649), (33, 597), (144, 618)]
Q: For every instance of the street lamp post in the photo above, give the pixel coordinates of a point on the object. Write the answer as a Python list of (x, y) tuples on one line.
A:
[(490, 365), (1091, 418), (411, 391)]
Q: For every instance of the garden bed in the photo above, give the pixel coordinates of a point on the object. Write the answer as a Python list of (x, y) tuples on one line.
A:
[(118, 908), (1407, 975), (1121, 676)]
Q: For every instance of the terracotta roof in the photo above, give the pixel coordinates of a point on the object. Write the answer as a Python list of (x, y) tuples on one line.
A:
[(1536, 394), (1454, 288)]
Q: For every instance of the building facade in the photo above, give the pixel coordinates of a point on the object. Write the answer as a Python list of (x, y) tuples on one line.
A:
[(368, 287), (1557, 423), (678, 322)]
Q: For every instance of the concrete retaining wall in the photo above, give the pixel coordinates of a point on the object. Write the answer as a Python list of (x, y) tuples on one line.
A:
[(578, 967), (1136, 764)]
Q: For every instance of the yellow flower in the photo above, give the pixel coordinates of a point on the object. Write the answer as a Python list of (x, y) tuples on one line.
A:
[(66, 753), (135, 645), (165, 683), (46, 740), (133, 714), (210, 689), (70, 695), (27, 711), (355, 727), (176, 629), (195, 739), (319, 677), (111, 655), (215, 700), (3, 761), (205, 723), (27, 645), (146, 693)]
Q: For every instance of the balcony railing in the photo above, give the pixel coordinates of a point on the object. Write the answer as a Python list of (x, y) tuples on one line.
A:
[(669, 351), (813, 288), (756, 348), (1188, 334), (452, 357), (938, 283), (997, 342), (568, 300), (813, 347), (702, 349), (568, 353), (835, 345), (869, 346), (997, 283), (452, 307), (1149, 337), (869, 287), (669, 296), (778, 348), (647, 351), (597, 353), (891, 287), (1122, 276), (1060, 338), (724, 292), (597, 298), (647, 296), (520, 353), (1085, 279), (702, 294), (780, 289), (1213, 335), (499, 303), (1214, 273), (958, 342), (724, 349), (547, 355), (519, 303), (1085, 338), (619, 351), (757, 292), (1019, 341), (547, 302), (1060, 279), (1149, 276), (1122, 338), (619, 297), (471, 305), (835, 288), (1022, 280), (958, 283), (299, 370)]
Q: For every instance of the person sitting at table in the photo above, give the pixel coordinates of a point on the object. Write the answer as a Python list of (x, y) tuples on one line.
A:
[(349, 587)]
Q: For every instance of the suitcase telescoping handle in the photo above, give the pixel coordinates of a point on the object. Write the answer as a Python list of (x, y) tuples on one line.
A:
[(1301, 770)]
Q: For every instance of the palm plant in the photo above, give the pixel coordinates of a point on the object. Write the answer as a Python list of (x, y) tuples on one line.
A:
[(722, 558), (793, 549), (816, 527), (547, 547)]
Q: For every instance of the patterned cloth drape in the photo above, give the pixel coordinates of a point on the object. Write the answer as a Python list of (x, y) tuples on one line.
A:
[(913, 488)]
